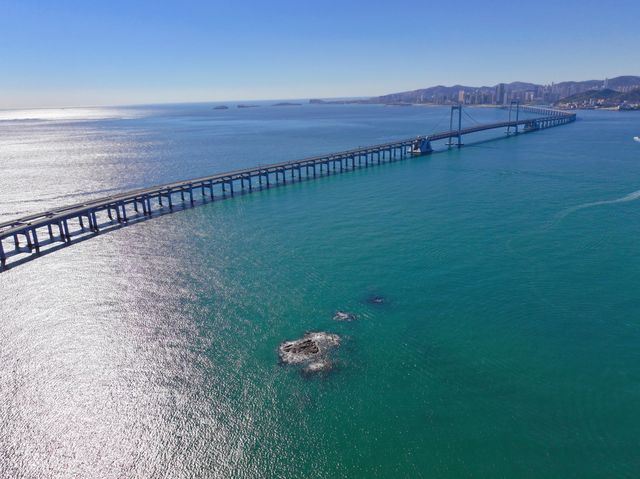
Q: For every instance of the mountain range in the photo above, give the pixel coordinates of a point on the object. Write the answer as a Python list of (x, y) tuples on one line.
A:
[(515, 90)]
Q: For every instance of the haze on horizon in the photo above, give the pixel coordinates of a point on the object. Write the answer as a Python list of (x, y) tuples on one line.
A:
[(72, 53)]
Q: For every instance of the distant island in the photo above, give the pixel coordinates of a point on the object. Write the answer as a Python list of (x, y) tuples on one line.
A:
[(317, 101), (286, 103), (247, 106), (221, 107), (621, 93)]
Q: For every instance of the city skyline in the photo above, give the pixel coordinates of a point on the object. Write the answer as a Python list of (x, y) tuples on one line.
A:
[(503, 93), (73, 53)]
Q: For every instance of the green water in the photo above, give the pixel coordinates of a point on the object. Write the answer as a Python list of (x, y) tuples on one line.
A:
[(507, 345)]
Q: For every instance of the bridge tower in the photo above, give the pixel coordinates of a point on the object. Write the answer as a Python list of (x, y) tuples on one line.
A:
[(517, 104), (454, 108)]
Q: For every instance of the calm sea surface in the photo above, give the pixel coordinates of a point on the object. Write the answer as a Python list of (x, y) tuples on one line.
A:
[(508, 344)]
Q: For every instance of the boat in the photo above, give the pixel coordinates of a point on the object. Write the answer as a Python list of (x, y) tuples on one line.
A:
[(421, 146), (637, 138)]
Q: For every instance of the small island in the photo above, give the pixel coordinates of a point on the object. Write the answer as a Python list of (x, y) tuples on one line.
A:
[(317, 101), (221, 107), (247, 106), (286, 103)]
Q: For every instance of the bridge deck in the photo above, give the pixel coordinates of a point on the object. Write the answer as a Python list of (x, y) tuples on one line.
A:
[(117, 203)]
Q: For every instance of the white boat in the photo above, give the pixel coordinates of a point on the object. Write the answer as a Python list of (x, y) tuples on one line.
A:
[(637, 138)]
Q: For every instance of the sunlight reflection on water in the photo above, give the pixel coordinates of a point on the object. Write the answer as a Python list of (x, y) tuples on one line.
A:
[(70, 114), (105, 377)]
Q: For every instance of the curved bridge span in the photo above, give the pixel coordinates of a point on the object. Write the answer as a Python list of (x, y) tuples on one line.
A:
[(29, 237)]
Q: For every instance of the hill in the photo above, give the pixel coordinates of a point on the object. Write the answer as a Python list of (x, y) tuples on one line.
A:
[(522, 91), (605, 95)]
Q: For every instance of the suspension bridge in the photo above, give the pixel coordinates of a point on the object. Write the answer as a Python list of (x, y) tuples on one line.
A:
[(27, 238)]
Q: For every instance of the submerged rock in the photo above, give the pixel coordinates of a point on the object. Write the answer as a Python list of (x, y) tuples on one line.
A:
[(318, 366), (375, 299), (311, 349), (344, 316)]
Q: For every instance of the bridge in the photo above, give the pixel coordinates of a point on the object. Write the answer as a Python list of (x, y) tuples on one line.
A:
[(31, 236)]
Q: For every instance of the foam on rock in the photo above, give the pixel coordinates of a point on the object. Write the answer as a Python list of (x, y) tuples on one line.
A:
[(344, 316), (318, 366)]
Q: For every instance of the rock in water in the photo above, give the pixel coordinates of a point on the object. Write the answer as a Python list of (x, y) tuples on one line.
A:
[(311, 348), (344, 316), (375, 299)]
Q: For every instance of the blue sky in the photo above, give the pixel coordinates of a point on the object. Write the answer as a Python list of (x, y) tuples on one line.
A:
[(93, 52)]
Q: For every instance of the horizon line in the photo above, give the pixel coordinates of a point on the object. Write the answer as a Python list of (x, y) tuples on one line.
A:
[(348, 97)]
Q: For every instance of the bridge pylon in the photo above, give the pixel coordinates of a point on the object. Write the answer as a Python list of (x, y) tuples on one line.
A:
[(517, 104), (454, 108)]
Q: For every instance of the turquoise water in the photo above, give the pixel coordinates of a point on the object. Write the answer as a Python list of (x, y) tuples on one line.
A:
[(506, 347)]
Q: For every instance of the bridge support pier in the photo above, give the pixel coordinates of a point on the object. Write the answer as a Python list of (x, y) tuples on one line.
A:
[(28, 238), (123, 215), (517, 104), (36, 243), (67, 235), (96, 228)]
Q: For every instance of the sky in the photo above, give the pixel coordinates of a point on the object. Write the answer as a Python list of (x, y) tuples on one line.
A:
[(93, 52)]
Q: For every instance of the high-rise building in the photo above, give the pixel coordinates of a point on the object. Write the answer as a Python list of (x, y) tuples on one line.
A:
[(461, 96), (501, 94)]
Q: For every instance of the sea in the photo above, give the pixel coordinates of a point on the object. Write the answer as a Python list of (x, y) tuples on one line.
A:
[(506, 343)]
